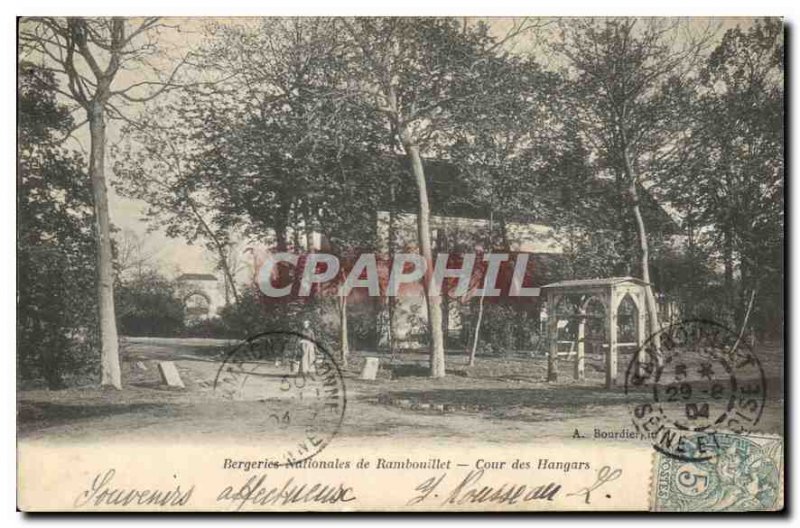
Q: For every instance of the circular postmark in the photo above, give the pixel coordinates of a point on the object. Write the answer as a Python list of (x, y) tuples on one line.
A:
[(299, 385), (690, 381)]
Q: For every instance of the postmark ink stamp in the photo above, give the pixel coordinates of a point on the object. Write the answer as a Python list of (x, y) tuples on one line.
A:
[(696, 380), (298, 382)]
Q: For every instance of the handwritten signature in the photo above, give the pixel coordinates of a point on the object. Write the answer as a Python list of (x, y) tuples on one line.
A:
[(469, 491), (604, 475)]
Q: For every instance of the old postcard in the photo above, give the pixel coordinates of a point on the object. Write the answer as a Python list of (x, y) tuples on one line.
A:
[(400, 264)]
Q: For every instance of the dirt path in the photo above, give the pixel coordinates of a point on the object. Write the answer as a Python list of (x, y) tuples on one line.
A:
[(501, 401)]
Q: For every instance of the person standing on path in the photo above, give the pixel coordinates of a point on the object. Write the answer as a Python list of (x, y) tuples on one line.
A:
[(308, 349)]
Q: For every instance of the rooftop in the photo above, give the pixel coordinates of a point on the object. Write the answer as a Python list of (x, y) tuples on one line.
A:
[(587, 283), (451, 195), (197, 276)]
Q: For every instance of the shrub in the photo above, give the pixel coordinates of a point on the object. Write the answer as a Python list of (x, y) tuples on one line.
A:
[(147, 305), (56, 305)]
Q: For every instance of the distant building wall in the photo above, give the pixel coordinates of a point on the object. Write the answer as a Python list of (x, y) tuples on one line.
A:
[(469, 234), (203, 295)]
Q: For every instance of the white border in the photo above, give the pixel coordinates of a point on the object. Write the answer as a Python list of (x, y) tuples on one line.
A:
[(339, 7)]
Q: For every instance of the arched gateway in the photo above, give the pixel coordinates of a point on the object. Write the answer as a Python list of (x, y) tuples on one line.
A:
[(202, 295)]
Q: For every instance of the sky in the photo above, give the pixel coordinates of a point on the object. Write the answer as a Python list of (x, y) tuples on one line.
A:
[(174, 256)]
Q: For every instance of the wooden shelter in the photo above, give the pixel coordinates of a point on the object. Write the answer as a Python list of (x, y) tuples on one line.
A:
[(610, 293)]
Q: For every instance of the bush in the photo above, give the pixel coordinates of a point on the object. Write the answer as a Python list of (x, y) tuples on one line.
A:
[(362, 323), (207, 328), (57, 340), (148, 306), (505, 328), (255, 313)]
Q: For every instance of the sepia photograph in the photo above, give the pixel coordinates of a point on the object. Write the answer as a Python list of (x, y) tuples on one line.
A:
[(436, 264)]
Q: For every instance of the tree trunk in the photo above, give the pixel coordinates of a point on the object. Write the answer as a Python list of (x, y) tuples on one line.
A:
[(281, 220), (732, 309), (230, 285), (281, 238), (343, 337), (474, 350), (650, 298), (390, 299), (434, 302), (442, 247), (626, 236), (109, 345), (728, 259), (296, 228), (730, 290), (503, 233), (746, 284)]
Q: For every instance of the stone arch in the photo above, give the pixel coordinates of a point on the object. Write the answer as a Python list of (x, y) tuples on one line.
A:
[(197, 310)]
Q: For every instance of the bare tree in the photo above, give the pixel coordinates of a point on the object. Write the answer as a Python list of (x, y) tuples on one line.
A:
[(89, 55), (156, 165), (229, 261), (132, 255)]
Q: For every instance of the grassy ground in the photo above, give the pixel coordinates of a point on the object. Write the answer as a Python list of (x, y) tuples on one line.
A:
[(497, 400)]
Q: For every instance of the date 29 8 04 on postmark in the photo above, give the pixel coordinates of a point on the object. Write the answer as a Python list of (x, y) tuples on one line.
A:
[(690, 381)]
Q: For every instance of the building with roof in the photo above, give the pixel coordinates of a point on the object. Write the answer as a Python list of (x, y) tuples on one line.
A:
[(458, 225), (203, 295)]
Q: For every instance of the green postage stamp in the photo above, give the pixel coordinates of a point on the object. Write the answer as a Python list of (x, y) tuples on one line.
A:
[(745, 474)]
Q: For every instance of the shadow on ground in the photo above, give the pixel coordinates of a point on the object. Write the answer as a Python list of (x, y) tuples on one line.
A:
[(558, 397), (498, 399), (38, 414)]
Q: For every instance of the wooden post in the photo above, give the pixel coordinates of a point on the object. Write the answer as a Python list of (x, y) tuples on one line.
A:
[(611, 354), (552, 335), (579, 358)]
